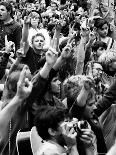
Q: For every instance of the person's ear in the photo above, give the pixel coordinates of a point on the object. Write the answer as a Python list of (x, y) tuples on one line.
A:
[(51, 132)]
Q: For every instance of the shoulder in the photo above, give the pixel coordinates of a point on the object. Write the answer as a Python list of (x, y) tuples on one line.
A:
[(48, 149), (16, 24)]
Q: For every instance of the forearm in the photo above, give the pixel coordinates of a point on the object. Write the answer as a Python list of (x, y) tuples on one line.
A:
[(3, 64), (14, 65), (80, 57), (55, 43), (82, 97), (107, 100), (44, 72), (88, 45), (58, 63), (7, 112), (25, 33)]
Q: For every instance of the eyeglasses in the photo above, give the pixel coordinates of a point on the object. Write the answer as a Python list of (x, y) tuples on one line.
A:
[(34, 17)]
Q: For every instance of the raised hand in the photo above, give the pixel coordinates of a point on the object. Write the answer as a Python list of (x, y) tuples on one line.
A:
[(69, 133), (27, 20), (8, 45), (88, 83), (51, 56), (58, 25), (66, 51), (20, 52), (92, 36), (87, 137), (24, 86)]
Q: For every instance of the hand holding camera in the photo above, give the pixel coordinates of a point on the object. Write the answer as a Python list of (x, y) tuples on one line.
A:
[(69, 133)]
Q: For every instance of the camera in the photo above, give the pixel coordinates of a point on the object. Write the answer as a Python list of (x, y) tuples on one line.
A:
[(80, 125)]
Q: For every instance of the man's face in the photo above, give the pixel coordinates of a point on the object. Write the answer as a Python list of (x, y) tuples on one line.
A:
[(97, 69), (3, 12), (53, 7), (38, 42), (103, 32), (55, 85), (100, 51)]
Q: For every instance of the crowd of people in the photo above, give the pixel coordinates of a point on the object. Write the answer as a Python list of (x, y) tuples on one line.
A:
[(58, 75)]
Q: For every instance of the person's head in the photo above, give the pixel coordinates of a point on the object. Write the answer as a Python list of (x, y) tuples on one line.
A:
[(96, 12), (55, 86), (48, 121), (83, 18), (45, 19), (80, 10), (38, 41), (108, 61), (5, 10), (98, 48), (55, 17), (35, 18), (72, 88), (29, 7), (102, 27), (54, 6), (51, 29), (11, 82), (95, 70)]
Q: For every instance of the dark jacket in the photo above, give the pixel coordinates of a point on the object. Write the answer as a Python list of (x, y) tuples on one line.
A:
[(33, 60), (23, 117), (3, 63)]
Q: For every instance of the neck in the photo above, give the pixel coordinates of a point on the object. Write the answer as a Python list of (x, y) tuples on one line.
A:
[(38, 51), (58, 140), (8, 20), (34, 26)]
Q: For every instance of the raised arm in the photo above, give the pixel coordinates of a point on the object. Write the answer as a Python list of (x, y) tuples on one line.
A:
[(25, 33), (5, 57), (40, 80), (107, 100), (56, 37), (24, 87)]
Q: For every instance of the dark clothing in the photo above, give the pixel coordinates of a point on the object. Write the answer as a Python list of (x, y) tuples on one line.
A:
[(21, 118), (47, 2), (103, 104), (13, 31), (24, 116), (33, 60), (96, 128), (3, 63)]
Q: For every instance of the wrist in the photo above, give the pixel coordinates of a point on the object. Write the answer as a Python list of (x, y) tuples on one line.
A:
[(82, 97), (83, 39), (8, 51), (62, 57), (48, 65), (72, 149), (18, 98)]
